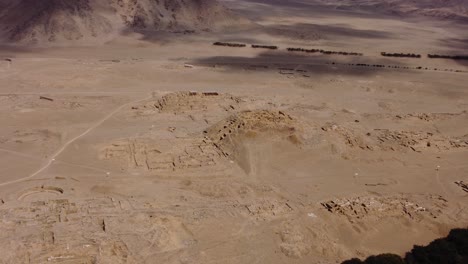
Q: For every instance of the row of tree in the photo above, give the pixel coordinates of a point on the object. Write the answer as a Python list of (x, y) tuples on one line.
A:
[(345, 53), (431, 56), (370, 65), (385, 66), (228, 44), (401, 55), (395, 67), (303, 50), (264, 47), (327, 52), (454, 57)]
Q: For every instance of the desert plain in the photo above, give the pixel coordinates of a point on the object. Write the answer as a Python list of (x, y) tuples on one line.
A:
[(159, 147)]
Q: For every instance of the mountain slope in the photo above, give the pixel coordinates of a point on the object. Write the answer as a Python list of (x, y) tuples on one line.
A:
[(451, 9), (32, 21)]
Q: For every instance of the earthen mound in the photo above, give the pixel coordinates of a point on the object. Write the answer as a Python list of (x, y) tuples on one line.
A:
[(239, 134)]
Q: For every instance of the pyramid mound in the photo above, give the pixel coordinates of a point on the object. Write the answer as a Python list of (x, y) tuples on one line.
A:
[(32, 21)]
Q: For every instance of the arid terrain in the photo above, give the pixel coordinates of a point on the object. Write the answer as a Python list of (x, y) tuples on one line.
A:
[(126, 139)]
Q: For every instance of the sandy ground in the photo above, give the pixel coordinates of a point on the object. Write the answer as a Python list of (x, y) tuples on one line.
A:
[(249, 156)]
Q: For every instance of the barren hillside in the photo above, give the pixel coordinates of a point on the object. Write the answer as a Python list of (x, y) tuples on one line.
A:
[(452, 9), (32, 21)]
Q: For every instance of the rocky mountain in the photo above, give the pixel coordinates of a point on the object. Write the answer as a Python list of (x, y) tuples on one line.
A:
[(447, 9), (33, 21)]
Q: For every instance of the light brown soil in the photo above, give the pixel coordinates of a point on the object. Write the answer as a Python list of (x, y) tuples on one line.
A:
[(246, 156)]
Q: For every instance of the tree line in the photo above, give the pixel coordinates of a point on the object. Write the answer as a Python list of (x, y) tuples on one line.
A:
[(272, 47), (264, 47), (454, 57), (430, 56), (345, 53), (401, 55), (327, 52), (394, 67), (228, 44)]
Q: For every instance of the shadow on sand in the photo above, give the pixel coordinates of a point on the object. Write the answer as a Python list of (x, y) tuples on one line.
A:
[(452, 249), (289, 62)]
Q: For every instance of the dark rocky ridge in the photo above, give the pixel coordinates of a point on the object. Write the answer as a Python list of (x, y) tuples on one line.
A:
[(45, 21)]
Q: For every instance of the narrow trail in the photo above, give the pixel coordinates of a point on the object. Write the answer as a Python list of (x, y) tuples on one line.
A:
[(441, 185), (59, 151), (81, 166), (19, 154)]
